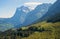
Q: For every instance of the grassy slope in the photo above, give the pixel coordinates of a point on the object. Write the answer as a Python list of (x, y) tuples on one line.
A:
[(51, 31)]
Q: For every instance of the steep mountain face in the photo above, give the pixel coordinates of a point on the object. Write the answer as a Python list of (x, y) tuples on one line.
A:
[(53, 13), (20, 15), (39, 11)]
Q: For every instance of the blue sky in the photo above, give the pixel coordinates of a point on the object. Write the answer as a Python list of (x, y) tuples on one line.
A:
[(8, 7)]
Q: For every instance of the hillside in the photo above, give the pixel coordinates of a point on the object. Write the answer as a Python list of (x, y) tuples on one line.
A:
[(39, 30)]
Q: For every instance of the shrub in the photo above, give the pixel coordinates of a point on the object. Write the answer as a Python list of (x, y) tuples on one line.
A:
[(32, 28)]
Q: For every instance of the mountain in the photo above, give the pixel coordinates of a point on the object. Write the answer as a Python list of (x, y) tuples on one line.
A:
[(53, 13), (18, 18), (35, 14), (23, 16), (20, 15)]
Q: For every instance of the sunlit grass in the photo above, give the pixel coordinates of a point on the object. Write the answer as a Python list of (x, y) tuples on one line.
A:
[(44, 31)]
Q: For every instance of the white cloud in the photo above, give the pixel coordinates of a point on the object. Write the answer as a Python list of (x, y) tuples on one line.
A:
[(32, 5)]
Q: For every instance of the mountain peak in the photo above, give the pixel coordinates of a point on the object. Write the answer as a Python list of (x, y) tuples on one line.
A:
[(24, 9)]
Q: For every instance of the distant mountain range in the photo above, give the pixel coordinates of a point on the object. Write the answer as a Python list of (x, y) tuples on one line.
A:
[(23, 16)]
